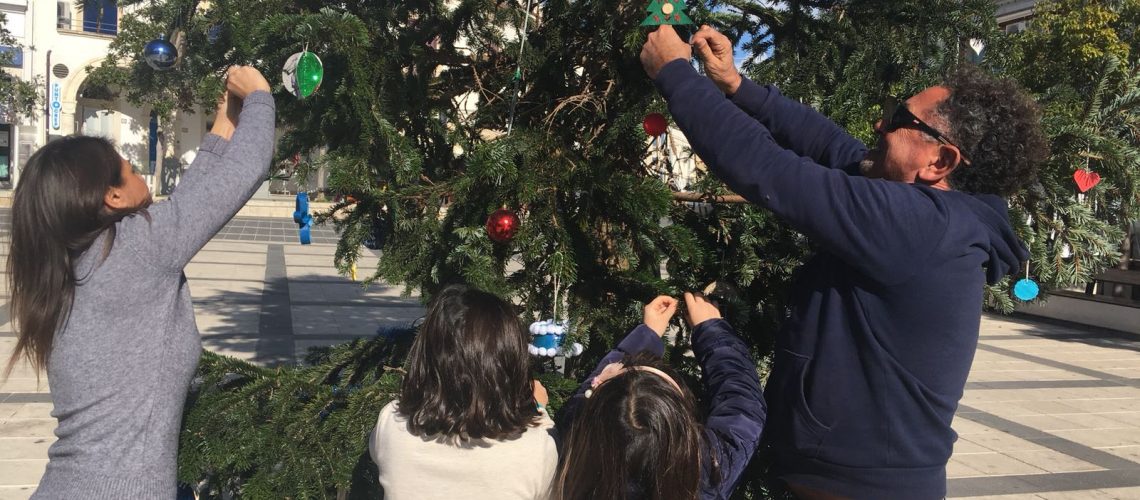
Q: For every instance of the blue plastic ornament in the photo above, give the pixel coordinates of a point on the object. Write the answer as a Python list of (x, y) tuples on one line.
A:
[(302, 218), (160, 54), (214, 32), (1026, 290)]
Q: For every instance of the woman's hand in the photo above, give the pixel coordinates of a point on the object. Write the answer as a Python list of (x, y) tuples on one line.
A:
[(226, 117), (659, 312), (242, 81)]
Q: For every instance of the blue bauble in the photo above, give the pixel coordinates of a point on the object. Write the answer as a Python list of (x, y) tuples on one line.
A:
[(214, 32), (160, 54), (1026, 290)]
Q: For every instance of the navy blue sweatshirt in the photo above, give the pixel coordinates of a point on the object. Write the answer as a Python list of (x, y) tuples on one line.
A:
[(869, 367), (731, 387)]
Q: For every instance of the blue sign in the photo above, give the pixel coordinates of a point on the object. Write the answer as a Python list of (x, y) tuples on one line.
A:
[(56, 104), (13, 57)]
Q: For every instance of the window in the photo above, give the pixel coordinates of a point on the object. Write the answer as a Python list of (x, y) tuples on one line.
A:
[(14, 23), (63, 14), (101, 16), (1017, 27)]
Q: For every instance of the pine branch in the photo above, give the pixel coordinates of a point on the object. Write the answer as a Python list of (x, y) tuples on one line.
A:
[(709, 198)]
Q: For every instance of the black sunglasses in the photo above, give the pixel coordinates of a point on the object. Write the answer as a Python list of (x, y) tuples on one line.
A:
[(896, 116)]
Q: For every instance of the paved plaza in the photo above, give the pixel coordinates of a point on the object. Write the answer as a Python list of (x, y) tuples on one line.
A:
[(1051, 411)]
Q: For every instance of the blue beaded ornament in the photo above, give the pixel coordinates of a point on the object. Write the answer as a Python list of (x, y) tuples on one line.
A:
[(548, 340)]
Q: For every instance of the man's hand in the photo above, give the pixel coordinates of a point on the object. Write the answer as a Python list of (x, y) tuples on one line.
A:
[(715, 50), (698, 309), (659, 312), (245, 80), (663, 47)]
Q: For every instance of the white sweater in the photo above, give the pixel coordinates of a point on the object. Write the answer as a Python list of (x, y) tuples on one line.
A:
[(412, 467)]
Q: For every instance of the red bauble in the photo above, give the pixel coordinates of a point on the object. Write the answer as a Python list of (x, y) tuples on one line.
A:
[(502, 225), (654, 124)]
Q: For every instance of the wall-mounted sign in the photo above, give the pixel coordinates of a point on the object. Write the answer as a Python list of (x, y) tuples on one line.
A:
[(12, 57), (56, 104)]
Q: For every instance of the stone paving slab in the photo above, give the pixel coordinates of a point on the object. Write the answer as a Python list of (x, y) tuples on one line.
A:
[(1046, 401)]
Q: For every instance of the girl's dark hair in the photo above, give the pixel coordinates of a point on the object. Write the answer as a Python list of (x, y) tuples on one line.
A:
[(636, 437), (57, 213), (468, 372)]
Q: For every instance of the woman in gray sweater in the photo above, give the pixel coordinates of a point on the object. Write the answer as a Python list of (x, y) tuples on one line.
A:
[(99, 298)]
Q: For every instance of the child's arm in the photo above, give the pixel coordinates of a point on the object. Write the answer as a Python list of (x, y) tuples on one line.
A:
[(640, 339), (645, 337), (736, 404), (737, 410)]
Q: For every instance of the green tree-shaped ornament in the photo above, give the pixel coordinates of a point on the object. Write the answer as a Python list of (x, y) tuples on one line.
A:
[(666, 12)]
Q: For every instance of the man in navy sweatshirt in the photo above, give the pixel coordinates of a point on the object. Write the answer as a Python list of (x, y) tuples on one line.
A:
[(869, 367)]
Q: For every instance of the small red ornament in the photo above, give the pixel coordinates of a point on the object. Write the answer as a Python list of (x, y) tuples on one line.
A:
[(654, 124), (502, 225), (1086, 179)]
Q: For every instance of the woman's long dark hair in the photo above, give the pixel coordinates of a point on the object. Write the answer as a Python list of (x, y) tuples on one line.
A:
[(636, 437), (57, 213), (468, 372)]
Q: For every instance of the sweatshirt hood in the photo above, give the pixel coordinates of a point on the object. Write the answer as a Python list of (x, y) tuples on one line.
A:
[(1007, 252)]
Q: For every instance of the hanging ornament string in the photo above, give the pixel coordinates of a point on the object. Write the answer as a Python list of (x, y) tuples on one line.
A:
[(557, 297), (518, 69)]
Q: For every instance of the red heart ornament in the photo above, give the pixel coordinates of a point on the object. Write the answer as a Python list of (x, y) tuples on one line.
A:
[(1086, 179)]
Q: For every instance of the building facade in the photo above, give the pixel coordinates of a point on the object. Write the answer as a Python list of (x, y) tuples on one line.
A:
[(1013, 15), (58, 40)]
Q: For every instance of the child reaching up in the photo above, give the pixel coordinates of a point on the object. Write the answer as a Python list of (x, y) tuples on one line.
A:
[(632, 430), (469, 422)]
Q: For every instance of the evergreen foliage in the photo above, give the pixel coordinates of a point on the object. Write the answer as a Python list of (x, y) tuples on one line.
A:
[(411, 121), (18, 98)]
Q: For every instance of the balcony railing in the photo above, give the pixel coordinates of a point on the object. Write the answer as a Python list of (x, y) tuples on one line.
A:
[(88, 26)]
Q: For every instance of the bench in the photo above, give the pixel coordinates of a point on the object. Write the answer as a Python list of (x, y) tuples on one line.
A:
[(1108, 285)]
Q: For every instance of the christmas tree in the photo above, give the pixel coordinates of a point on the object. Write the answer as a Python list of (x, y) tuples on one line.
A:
[(433, 115)]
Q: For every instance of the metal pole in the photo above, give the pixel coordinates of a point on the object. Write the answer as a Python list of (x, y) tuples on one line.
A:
[(47, 94)]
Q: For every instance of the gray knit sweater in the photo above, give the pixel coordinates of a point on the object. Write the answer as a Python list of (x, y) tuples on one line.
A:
[(120, 368)]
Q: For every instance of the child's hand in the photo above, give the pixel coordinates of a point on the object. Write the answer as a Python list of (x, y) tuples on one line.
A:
[(540, 395), (659, 312), (698, 309)]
